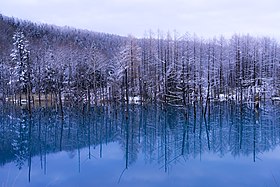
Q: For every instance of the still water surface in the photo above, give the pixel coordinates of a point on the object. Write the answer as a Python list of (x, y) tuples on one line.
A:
[(146, 146)]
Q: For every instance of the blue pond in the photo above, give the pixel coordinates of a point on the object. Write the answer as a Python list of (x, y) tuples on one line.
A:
[(141, 146)]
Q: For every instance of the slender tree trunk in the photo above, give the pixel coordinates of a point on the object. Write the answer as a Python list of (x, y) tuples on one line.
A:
[(140, 85), (19, 102), (60, 103), (46, 99), (126, 87), (39, 87), (88, 97), (40, 100), (208, 84), (29, 85), (29, 99)]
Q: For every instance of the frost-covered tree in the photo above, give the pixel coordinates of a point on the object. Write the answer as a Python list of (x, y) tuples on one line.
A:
[(20, 58), (116, 73), (96, 74), (21, 64), (130, 58), (4, 80), (72, 64)]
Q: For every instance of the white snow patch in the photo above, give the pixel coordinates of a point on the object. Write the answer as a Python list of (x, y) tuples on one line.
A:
[(134, 100), (275, 98), (222, 97)]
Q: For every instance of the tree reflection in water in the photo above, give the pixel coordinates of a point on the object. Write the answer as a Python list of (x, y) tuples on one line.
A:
[(165, 135)]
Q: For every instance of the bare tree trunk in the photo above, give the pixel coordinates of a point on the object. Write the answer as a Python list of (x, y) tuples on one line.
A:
[(208, 84), (19, 102), (29, 85), (46, 99), (60, 103), (126, 87), (140, 85), (39, 89), (88, 97), (29, 99)]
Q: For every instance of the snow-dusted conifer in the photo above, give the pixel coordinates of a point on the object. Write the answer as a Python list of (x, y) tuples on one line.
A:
[(20, 59)]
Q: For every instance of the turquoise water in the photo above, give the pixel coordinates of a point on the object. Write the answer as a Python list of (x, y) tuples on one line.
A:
[(141, 146)]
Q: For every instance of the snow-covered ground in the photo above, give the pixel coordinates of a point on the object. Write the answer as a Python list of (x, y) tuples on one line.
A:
[(134, 100), (275, 98)]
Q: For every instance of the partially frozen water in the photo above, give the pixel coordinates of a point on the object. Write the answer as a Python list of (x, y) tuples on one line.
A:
[(144, 146)]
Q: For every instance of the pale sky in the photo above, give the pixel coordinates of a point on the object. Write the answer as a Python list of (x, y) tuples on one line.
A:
[(205, 18)]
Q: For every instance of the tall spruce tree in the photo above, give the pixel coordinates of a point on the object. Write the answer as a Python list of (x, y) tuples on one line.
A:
[(21, 65)]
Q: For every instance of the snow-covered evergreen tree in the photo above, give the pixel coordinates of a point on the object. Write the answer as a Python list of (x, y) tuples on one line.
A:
[(21, 61)]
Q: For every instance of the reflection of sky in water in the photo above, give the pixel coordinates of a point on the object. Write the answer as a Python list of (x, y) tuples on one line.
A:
[(211, 170)]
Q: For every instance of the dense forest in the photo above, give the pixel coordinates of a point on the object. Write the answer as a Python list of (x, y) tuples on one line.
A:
[(40, 63)]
